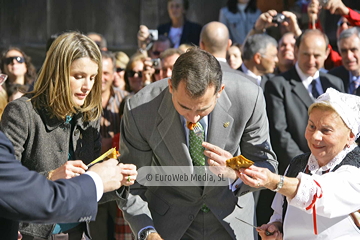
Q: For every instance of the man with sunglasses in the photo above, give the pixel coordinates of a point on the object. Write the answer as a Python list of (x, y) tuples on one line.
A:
[(349, 18)]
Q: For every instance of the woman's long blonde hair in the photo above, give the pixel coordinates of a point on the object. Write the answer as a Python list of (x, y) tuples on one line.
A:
[(52, 88)]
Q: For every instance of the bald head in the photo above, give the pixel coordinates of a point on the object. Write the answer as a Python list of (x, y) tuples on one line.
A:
[(214, 38)]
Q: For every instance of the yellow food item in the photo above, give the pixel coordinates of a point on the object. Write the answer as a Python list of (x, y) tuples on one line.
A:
[(111, 153), (239, 162)]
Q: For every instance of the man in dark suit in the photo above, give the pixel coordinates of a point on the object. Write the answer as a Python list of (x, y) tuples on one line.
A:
[(28, 196), (349, 72), (289, 95), (259, 56), (154, 133)]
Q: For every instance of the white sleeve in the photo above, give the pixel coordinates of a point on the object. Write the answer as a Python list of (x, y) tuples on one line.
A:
[(334, 194), (98, 183)]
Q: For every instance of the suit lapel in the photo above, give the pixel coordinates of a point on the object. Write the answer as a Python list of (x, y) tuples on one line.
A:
[(172, 133), (298, 88), (325, 83), (220, 121)]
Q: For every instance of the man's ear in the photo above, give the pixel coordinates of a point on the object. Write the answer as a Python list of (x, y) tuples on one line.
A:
[(327, 52), (218, 94), (170, 86), (229, 45), (201, 45), (257, 58)]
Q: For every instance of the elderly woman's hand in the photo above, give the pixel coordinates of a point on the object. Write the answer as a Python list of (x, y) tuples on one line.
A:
[(258, 177), (275, 228), (217, 160)]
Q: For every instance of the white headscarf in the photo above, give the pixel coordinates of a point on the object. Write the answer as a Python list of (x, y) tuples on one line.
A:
[(346, 105)]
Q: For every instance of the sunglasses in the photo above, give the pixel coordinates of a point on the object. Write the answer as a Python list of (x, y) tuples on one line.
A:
[(11, 59), (120, 69), (340, 23), (3, 78), (132, 73)]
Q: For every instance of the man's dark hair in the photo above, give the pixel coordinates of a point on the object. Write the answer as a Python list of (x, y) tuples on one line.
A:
[(311, 31), (199, 70)]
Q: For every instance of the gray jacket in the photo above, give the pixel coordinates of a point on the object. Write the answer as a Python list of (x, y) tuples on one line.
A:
[(42, 144)]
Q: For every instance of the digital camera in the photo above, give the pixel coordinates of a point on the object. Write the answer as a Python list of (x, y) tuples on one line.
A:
[(278, 18), (156, 63), (153, 34)]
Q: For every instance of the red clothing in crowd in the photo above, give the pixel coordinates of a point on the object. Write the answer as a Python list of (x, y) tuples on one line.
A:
[(334, 58)]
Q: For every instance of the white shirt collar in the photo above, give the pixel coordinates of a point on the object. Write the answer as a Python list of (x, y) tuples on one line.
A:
[(221, 59), (314, 167), (251, 74), (306, 80)]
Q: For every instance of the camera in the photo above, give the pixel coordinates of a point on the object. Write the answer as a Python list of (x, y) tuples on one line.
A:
[(153, 34), (278, 18), (323, 2), (156, 63)]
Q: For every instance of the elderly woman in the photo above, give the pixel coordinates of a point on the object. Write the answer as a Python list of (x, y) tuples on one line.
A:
[(319, 196)]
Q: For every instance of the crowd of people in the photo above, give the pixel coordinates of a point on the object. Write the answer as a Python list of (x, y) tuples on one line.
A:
[(291, 105)]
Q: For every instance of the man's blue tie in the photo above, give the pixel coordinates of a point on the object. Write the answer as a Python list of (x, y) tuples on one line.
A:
[(314, 91)]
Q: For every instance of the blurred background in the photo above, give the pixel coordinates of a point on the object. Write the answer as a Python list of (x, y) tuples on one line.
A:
[(29, 23)]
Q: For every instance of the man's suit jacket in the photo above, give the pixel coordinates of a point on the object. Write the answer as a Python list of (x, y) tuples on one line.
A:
[(344, 75), (28, 196), (287, 103), (190, 34), (152, 135), (264, 78)]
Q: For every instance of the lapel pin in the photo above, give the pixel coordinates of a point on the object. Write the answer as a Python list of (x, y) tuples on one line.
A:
[(226, 124)]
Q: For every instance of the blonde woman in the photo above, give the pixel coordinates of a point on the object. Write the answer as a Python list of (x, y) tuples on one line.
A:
[(58, 123)]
